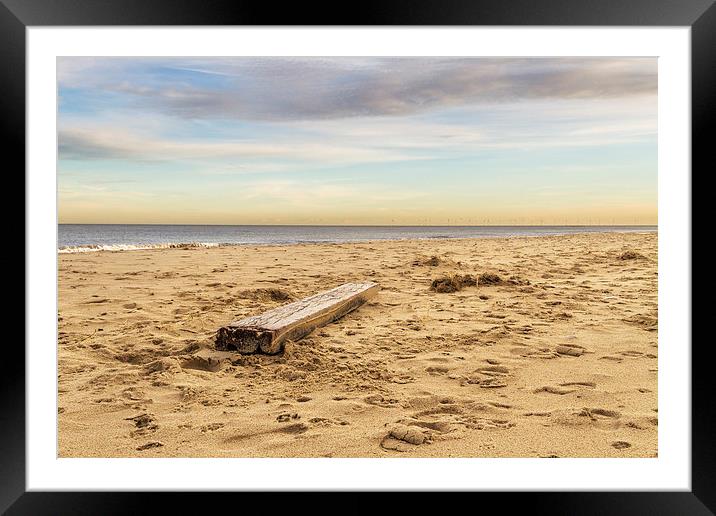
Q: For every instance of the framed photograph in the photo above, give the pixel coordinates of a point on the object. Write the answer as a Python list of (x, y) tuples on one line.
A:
[(408, 249)]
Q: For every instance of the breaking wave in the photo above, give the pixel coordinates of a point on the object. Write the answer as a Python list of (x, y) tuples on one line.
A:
[(133, 247)]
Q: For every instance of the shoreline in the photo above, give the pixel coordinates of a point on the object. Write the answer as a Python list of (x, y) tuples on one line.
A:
[(113, 248)]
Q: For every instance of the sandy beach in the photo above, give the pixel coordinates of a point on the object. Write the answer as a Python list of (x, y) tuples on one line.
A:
[(556, 358)]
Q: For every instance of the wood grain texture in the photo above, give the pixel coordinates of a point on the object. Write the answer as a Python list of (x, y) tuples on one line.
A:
[(268, 331)]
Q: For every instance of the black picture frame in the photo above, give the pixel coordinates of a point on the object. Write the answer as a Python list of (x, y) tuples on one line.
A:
[(17, 15)]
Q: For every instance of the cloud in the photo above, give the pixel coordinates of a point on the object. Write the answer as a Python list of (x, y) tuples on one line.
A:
[(292, 145), (100, 143), (331, 88)]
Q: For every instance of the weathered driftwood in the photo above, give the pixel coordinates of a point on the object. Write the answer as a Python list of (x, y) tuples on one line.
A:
[(268, 331)]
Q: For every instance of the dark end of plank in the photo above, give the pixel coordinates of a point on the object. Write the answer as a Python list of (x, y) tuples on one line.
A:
[(242, 339)]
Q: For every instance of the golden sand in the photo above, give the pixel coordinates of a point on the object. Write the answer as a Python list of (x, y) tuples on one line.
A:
[(557, 359)]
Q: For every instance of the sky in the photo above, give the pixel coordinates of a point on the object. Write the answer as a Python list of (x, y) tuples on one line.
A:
[(424, 141)]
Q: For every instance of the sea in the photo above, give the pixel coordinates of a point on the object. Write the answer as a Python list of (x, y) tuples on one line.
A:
[(75, 238)]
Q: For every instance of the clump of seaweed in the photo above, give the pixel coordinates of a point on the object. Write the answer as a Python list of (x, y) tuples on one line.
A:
[(447, 284), (489, 278), (266, 294), (631, 255)]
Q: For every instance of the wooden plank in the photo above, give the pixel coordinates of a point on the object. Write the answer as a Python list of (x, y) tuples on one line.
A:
[(268, 331)]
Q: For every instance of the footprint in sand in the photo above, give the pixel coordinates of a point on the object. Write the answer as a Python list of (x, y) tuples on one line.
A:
[(494, 370), (323, 421), (437, 418), (292, 429), (149, 445), (498, 404), (134, 394), (579, 384), (379, 401), (570, 349), (441, 409), (202, 363), (287, 416), (144, 423), (632, 354), (162, 365), (480, 423), (296, 428), (621, 445), (211, 427), (484, 383), (599, 413), (553, 390)]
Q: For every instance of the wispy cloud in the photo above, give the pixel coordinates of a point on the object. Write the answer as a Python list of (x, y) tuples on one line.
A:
[(321, 88), (542, 124), (85, 144)]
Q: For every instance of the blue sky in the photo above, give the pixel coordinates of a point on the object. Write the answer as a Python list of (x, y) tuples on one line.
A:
[(357, 140)]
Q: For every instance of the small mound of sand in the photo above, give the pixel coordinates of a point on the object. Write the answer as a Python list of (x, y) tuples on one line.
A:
[(631, 255), (266, 294), (407, 434), (162, 365), (454, 283), (433, 261), (648, 321)]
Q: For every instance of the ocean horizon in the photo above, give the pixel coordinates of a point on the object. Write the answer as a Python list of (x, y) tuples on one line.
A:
[(124, 237)]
